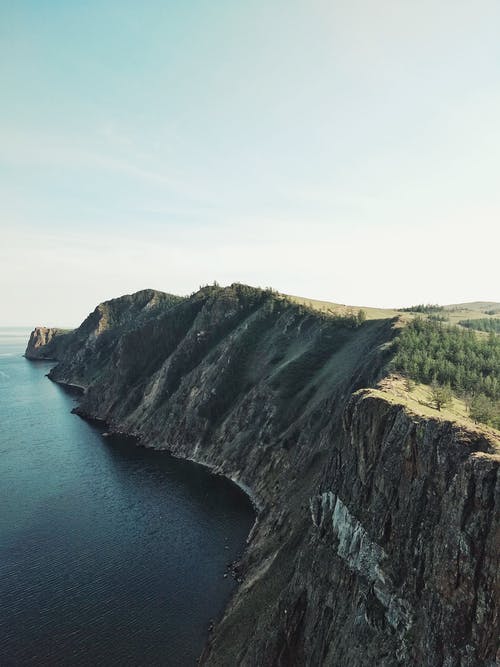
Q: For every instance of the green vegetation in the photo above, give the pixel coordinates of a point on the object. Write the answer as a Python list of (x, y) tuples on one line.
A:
[(441, 395), (483, 409), (445, 356), (424, 308), (361, 316), (471, 311), (437, 317), (490, 325), (475, 306)]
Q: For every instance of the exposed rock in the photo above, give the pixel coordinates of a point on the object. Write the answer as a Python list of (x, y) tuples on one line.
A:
[(377, 541), (41, 343)]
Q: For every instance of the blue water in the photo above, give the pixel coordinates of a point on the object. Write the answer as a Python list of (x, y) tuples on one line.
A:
[(110, 554)]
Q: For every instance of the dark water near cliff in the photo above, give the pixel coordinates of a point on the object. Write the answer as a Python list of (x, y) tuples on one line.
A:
[(109, 554)]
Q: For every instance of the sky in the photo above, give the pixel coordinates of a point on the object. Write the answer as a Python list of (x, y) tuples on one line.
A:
[(339, 150)]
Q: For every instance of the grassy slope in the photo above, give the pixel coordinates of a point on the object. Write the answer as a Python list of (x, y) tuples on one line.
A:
[(342, 309), (477, 306), (474, 310), (419, 401), (454, 312)]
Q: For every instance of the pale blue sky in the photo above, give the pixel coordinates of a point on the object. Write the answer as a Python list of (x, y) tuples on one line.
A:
[(348, 151)]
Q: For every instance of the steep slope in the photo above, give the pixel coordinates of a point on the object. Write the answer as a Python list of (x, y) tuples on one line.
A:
[(100, 329), (378, 533), (42, 343)]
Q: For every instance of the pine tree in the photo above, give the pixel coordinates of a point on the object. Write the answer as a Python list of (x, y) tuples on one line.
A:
[(441, 395)]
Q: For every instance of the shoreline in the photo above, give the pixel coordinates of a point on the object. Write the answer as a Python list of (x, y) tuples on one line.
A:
[(243, 487), (140, 442), (81, 389)]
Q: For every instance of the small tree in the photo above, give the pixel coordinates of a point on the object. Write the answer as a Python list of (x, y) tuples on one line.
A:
[(482, 409), (361, 316), (441, 395)]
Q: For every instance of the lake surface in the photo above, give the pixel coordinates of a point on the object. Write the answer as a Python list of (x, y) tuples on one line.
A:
[(109, 554)]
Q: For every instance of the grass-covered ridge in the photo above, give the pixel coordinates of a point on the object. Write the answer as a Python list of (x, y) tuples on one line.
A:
[(429, 352), (340, 309), (455, 365)]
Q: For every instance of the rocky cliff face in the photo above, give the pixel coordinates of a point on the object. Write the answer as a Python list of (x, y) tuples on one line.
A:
[(91, 342), (377, 539), (41, 344)]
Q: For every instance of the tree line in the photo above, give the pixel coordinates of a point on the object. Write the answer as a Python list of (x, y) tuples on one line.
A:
[(456, 360), (487, 324), (423, 308)]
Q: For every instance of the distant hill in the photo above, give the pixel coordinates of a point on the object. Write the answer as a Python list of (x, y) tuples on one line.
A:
[(474, 310), (454, 312), (478, 306)]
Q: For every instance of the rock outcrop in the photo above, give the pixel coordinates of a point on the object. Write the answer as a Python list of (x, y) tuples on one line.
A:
[(377, 540), (41, 344)]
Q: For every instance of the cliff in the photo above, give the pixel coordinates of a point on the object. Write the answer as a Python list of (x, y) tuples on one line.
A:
[(114, 315), (42, 344), (377, 538)]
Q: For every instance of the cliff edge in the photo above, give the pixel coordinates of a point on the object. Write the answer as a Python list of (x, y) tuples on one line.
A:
[(378, 535)]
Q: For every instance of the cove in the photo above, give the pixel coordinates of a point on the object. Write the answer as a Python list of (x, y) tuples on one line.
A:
[(109, 553)]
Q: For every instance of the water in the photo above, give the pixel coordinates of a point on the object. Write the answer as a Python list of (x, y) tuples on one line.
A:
[(109, 554)]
